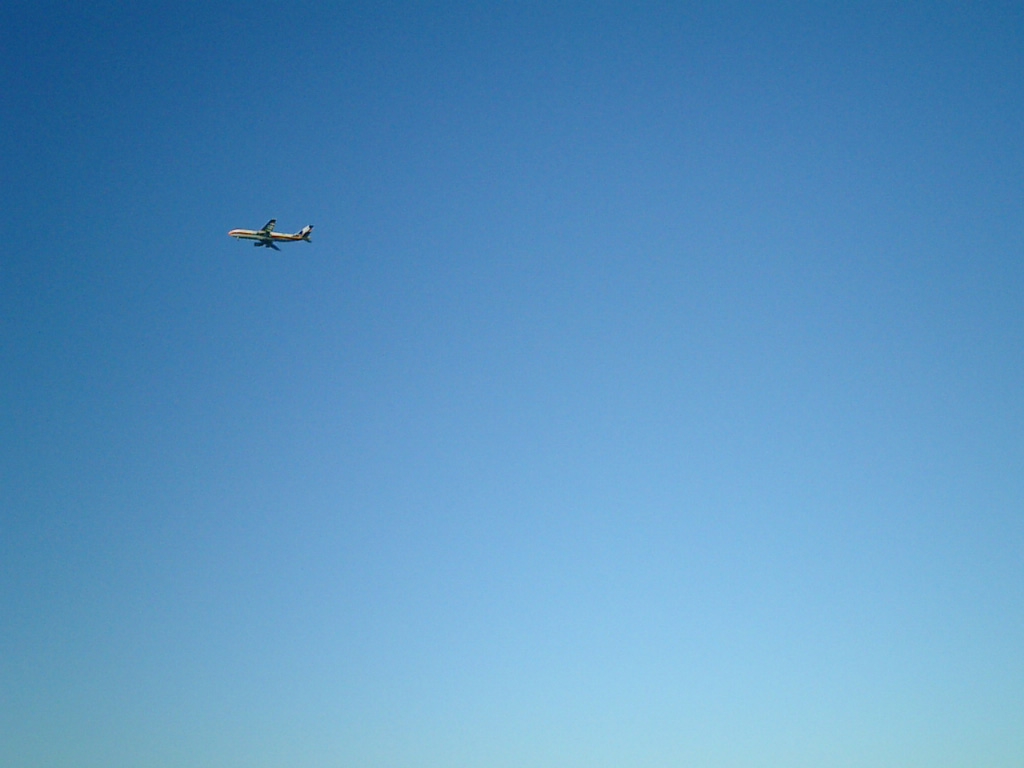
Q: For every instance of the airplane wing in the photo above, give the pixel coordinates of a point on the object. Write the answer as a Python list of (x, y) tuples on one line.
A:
[(268, 227)]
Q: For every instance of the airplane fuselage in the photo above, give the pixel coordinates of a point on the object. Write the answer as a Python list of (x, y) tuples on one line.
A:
[(251, 234), (268, 237)]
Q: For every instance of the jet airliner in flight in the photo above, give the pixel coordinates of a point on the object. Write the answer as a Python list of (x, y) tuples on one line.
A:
[(267, 236)]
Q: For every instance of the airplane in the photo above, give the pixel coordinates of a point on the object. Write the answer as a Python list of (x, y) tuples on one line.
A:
[(267, 236)]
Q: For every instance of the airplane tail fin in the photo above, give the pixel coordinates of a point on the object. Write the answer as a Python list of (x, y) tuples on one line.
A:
[(304, 232)]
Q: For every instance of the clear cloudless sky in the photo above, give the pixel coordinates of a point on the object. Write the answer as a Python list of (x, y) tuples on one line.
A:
[(651, 393)]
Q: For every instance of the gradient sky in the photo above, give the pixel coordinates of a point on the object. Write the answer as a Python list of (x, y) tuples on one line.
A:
[(651, 393)]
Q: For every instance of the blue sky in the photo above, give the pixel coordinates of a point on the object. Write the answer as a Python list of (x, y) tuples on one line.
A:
[(650, 394)]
